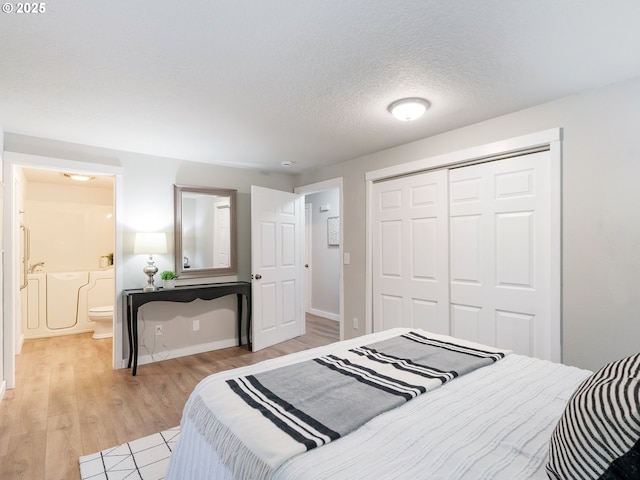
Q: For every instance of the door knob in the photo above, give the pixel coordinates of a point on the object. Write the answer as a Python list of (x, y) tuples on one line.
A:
[(258, 276)]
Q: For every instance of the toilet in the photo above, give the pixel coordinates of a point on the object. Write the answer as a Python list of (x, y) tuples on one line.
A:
[(97, 303), (102, 317)]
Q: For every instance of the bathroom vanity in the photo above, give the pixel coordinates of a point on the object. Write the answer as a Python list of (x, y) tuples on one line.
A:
[(135, 298)]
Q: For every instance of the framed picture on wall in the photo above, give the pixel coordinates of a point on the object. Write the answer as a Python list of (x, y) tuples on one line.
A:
[(333, 231)]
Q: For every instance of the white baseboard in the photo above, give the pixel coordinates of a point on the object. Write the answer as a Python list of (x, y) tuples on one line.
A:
[(3, 388), (327, 315), (185, 351)]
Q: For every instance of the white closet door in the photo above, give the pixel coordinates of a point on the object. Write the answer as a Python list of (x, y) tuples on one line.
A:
[(410, 260), (500, 216)]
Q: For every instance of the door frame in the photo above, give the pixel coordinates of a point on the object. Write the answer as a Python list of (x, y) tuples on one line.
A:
[(320, 187), (11, 223), (308, 246), (548, 139)]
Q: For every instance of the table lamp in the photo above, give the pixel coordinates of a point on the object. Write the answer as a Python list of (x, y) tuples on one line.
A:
[(150, 243)]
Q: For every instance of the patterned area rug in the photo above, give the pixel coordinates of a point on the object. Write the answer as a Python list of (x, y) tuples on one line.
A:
[(143, 459)]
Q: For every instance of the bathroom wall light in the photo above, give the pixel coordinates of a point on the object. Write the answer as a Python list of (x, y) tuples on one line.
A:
[(408, 109), (150, 243)]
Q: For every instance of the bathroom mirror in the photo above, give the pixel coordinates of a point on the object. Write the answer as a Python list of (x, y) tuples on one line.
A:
[(205, 231)]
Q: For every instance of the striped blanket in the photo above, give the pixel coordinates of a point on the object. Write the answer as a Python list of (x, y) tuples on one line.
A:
[(256, 422)]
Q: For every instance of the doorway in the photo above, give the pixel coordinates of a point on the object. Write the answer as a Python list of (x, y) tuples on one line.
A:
[(323, 250), (67, 243), (277, 225), (12, 239)]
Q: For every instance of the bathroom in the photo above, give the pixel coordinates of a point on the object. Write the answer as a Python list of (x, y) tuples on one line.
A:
[(67, 243)]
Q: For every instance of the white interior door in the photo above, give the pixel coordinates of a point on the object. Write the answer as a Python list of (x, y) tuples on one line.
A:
[(277, 220), (410, 266), (500, 239)]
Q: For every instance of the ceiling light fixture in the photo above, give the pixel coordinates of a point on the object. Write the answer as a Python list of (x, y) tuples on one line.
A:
[(78, 177), (408, 109)]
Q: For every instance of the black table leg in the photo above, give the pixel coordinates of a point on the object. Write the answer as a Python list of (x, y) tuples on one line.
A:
[(134, 353), (128, 309), (239, 299), (249, 322)]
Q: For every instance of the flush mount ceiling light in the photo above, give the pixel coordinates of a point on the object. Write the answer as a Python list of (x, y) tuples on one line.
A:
[(408, 109), (78, 177)]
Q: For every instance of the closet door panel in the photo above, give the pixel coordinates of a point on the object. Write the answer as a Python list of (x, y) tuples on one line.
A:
[(410, 284), (516, 330), (425, 314), (515, 249), (391, 249), (509, 202), (466, 322), (424, 249), (466, 249)]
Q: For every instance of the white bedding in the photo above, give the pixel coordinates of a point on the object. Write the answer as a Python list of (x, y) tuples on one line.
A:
[(493, 423)]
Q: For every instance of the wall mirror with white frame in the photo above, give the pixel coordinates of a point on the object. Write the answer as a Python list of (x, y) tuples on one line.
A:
[(205, 231)]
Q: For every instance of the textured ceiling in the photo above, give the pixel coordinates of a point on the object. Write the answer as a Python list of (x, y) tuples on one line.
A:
[(255, 82)]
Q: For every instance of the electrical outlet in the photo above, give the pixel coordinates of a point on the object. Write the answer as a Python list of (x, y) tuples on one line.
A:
[(355, 323), (158, 329), (196, 325)]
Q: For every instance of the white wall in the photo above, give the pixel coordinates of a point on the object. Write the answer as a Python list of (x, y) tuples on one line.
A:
[(601, 198), (147, 199), (70, 225), (3, 375), (325, 260)]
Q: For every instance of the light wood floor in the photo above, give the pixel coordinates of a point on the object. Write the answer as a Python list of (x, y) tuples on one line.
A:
[(69, 402)]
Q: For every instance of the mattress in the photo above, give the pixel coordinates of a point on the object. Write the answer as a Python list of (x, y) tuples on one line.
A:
[(492, 423)]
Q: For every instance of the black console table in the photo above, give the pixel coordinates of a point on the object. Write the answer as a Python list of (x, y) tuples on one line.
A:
[(134, 299)]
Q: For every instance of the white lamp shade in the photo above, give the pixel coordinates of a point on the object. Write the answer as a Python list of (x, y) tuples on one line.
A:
[(150, 243)]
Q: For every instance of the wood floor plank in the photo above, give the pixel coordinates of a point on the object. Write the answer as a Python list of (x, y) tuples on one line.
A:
[(62, 389), (69, 402), (25, 459), (9, 405), (96, 423), (64, 447), (31, 414), (183, 379)]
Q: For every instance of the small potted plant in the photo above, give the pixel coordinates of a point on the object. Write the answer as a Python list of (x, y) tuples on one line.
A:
[(169, 278)]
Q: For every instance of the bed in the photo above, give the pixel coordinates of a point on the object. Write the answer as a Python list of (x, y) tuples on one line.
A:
[(494, 422)]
